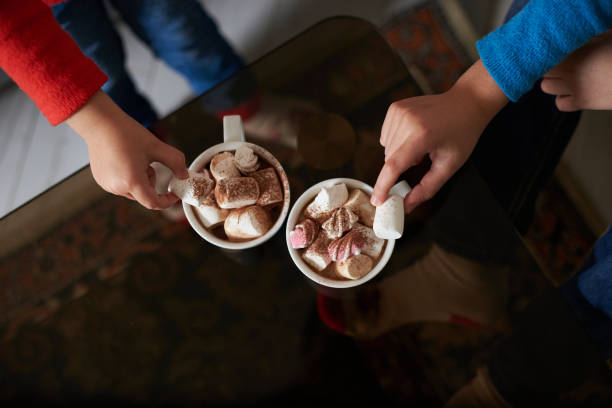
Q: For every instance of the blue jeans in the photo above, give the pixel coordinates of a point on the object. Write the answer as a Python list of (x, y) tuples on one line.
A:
[(179, 32), (589, 294)]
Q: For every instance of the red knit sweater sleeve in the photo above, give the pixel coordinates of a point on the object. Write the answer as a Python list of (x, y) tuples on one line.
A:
[(44, 61)]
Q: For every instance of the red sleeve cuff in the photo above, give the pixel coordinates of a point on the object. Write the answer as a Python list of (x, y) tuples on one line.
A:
[(44, 61), (245, 109)]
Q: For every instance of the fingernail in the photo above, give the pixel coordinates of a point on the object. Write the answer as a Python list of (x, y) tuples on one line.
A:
[(375, 201)]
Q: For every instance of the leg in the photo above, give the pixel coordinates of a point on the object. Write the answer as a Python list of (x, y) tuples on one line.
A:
[(563, 336), (589, 295), (548, 353), (185, 37), (561, 339), (520, 148), (89, 25)]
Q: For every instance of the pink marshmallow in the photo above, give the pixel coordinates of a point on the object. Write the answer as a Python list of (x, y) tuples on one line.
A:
[(303, 234), (298, 239)]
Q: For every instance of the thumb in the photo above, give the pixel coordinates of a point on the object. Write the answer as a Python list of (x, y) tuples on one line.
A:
[(171, 157), (403, 158)]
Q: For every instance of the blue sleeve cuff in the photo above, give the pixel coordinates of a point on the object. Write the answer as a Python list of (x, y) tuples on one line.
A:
[(539, 37)]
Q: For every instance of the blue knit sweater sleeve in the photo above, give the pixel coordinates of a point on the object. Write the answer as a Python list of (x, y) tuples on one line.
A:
[(539, 37)]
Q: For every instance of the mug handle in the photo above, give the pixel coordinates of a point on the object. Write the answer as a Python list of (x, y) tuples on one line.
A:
[(401, 189), (232, 129)]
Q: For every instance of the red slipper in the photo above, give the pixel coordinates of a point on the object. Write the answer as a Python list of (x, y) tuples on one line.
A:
[(465, 322), (331, 312)]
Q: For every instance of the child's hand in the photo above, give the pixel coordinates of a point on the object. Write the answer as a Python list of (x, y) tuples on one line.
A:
[(121, 151), (446, 127), (584, 79)]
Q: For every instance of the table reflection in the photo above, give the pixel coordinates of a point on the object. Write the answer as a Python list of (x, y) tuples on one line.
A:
[(102, 299)]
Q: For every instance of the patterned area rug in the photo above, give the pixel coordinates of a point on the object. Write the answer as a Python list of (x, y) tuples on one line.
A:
[(134, 315)]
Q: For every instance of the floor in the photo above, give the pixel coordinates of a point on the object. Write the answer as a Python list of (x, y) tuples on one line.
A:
[(35, 155)]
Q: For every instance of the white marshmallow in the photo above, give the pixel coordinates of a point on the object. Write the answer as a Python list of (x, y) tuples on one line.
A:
[(194, 189), (359, 203), (317, 254), (210, 213), (389, 216), (236, 192), (247, 223), (328, 200), (211, 216), (163, 175), (373, 245), (355, 267), (222, 166), (246, 160)]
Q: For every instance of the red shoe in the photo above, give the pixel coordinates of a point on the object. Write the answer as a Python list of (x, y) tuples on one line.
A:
[(331, 313), (350, 316)]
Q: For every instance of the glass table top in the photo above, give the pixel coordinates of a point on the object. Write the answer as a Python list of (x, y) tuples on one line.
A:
[(102, 299)]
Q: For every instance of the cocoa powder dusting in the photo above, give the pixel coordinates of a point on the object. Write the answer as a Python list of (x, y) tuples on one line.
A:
[(322, 246), (210, 199), (245, 188), (340, 221), (262, 217), (270, 190), (237, 189), (201, 187)]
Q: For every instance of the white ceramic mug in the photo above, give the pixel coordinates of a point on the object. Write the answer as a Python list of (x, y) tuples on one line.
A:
[(233, 137), (294, 216)]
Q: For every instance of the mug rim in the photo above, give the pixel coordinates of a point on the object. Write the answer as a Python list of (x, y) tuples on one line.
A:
[(202, 160), (294, 214)]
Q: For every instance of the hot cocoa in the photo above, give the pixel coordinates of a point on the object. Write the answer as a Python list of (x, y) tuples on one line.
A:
[(334, 235), (241, 201)]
